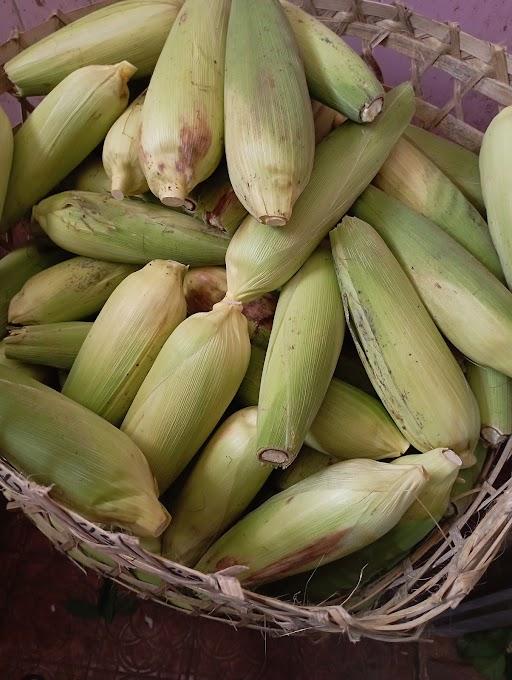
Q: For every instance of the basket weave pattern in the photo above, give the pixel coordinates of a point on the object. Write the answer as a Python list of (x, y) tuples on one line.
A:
[(447, 565)]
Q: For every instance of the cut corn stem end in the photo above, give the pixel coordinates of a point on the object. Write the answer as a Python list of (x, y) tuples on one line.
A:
[(274, 457), (370, 111), (273, 220), (173, 201)]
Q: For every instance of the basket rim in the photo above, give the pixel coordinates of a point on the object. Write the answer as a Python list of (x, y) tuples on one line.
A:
[(459, 559)]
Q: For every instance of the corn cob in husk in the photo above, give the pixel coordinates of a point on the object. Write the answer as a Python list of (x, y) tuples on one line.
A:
[(99, 226), (121, 153), (68, 291), (183, 117), (89, 176), (325, 120), (303, 350), (225, 479), (336, 75), (215, 202), (451, 283), (412, 178), (6, 144), (349, 423), (414, 373), (307, 463), (326, 516), (134, 30), (494, 175), (457, 163), (62, 131), (270, 134), (53, 344), (205, 286), (40, 373), (442, 466), (17, 267), (262, 258), (190, 385), (493, 392), (126, 338), (88, 463)]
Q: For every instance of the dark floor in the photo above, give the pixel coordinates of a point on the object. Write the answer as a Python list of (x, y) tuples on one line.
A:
[(45, 634)]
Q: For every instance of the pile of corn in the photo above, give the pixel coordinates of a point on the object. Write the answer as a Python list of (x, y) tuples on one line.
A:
[(174, 330)]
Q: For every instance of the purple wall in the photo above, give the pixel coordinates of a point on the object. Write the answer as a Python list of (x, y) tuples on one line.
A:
[(488, 20)]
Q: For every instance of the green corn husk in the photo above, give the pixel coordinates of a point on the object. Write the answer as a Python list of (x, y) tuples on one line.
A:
[(349, 423), (494, 173), (62, 131), (457, 163), (68, 291), (53, 344), (131, 29), (493, 392), (126, 338), (463, 493), (7, 145), (307, 463), (416, 376), (412, 178), (442, 467), (215, 202), (328, 515), (336, 75), (121, 153), (304, 347), (97, 225), (40, 373), (190, 385), (325, 119), (17, 267), (89, 176), (451, 283), (183, 118), (270, 134), (261, 258), (88, 463), (225, 479), (205, 286)]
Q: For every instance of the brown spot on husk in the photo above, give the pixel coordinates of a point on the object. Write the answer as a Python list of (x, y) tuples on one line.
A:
[(195, 142), (260, 313), (224, 203)]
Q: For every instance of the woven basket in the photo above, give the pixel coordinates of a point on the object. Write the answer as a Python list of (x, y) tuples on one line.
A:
[(447, 565)]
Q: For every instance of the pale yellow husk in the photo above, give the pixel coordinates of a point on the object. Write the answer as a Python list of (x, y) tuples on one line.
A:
[(326, 516), (261, 258), (188, 388), (493, 392), (464, 491), (126, 338), (53, 344), (457, 163), (325, 119), (452, 284), (270, 134), (68, 291), (304, 347), (134, 30), (17, 267), (87, 462), (412, 370), (7, 145), (349, 423), (221, 485), (121, 153), (307, 463), (183, 117), (63, 130), (412, 178), (89, 176), (494, 175), (336, 74)]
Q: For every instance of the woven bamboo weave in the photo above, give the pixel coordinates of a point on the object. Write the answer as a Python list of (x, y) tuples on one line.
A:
[(448, 564)]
